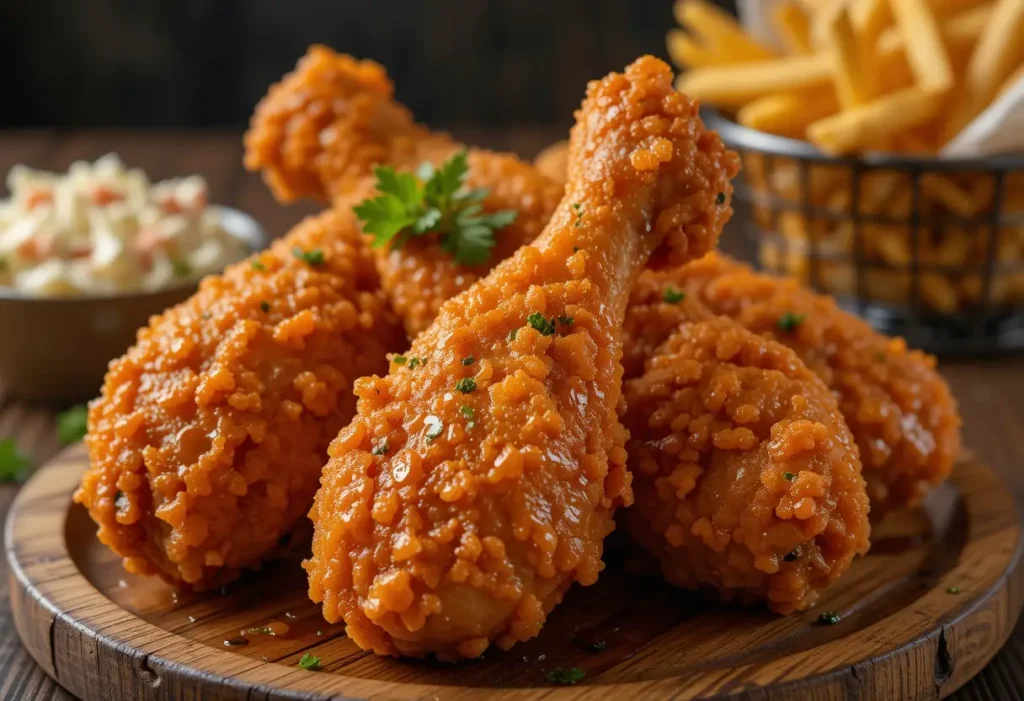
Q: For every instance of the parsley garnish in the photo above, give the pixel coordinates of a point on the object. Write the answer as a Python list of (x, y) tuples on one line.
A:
[(415, 362), (672, 295), (468, 413), (468, 360), (72, 424), (466, 385), (433, 201), (14, 467), (398, 359), (309, 662), (314, 257), (256, 265), (512, 334), (578, 209), (720, 199), (829, 619), (566, 677), (789, 476), (264, 306), (544, 326), (953, 590), (565, 320), (381, 448), (789, 321)]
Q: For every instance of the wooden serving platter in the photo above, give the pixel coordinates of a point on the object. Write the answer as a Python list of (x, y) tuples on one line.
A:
[(922, 613)]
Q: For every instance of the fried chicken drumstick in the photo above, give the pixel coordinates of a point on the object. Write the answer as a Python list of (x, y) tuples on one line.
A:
[(206, 446), (318, 134), (479, 477), (745, 474), (899, 409)]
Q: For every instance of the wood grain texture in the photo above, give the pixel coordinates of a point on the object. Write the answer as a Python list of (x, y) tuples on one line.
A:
[(921, 614), (990, 393)]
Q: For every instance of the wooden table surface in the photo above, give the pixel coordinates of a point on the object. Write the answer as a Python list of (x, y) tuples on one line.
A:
[(990, 392)]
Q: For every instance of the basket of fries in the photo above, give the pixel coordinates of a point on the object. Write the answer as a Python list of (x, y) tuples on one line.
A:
[(879, 164)]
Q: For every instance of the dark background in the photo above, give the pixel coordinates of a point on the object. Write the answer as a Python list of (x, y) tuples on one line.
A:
[(200, 63)]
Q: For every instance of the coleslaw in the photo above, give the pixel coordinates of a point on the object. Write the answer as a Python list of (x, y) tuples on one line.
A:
[(102, 229)]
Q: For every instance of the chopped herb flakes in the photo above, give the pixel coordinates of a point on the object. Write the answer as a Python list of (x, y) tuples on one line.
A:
[(14, 466), (399, 359), (309, 662), (565, 320), (789, 321), (544, 326), (720, 199), (789, 476), (415, 362), (314, 257), (953, 590), (466, 385), (673, 296), (512, 334), (468, 413), (578, 209), (264, 306), (566, 676), (72, 424), (381, 448), (468, 360), (256, 265), (829, 619)]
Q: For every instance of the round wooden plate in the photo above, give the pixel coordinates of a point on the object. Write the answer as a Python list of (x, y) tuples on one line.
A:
[(932, 603)]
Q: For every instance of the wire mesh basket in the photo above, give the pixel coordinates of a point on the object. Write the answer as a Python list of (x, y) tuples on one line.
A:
[(928, 249)]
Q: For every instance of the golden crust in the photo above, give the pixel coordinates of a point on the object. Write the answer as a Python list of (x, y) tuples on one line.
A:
[(899, 409), (207, 443), (453, 515), (745, 475)]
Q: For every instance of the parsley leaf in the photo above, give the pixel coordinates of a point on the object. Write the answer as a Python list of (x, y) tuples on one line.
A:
[(468, 360), (257, 265), (565, 320), (566, 677), (71, 424), (309, 662), (381, 448), (672, 295), (434, 200), (466, 385), (314, 257), (181, 268), (789, 476), (544, 326), (14, 467), (720, 199), (399, 359), (789, 321)]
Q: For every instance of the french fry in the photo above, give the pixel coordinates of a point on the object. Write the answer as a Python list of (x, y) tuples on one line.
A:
[(854, 85), (957, 31), (868, 124), (997, 54), (719, 31), (1011, 81), (788, 114), (953, 197), (793, 27), (735, 85), (925, 51), (870, 17), (685, 51)]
